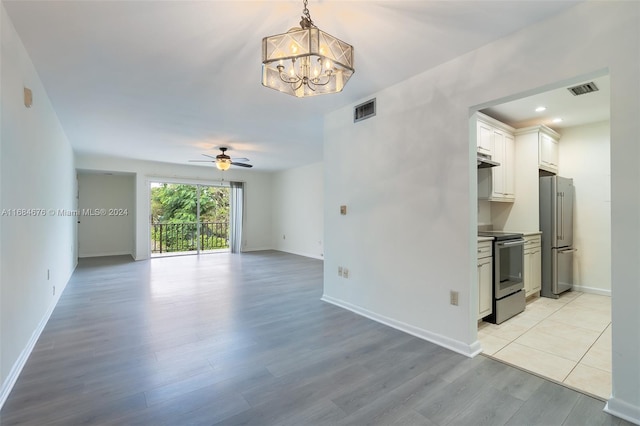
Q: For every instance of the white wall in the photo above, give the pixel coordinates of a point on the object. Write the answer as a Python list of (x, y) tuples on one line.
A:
[(409, 175), (298, 211), (37, 173), (258, 210), (112, 233), (484, 212), (585, 157)]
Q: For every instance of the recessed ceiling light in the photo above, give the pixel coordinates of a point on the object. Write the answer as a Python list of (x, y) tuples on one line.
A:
[(557, 120), (540, 109)]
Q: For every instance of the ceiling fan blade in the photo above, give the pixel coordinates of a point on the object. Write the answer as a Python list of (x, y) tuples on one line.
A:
[(241, 159), (241, 164), (201, 161), (210, 156)]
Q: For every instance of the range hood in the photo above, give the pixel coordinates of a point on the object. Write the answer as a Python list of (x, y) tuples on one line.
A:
[(485, 161)]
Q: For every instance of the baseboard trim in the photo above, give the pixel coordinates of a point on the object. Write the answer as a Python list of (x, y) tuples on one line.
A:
[(455, 345), (624, 410), (319, 257), (247, 249), (592, 290), (312, 256), (12, 378), (115, 253)]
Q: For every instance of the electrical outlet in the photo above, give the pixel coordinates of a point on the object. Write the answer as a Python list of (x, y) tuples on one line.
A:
[(453, 295), (339, 271), (343, 210), (345, 273)]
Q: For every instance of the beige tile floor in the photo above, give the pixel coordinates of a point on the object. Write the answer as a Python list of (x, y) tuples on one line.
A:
[(567, 340)]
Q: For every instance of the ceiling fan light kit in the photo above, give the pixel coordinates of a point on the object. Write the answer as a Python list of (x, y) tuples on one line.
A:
[(223, 162), (306, 61)]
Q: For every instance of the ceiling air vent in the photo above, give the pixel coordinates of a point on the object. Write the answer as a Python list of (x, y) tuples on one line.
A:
[(364, 110), (583, 89)]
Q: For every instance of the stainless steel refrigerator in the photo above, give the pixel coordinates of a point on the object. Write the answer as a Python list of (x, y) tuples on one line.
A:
[(556, 224)]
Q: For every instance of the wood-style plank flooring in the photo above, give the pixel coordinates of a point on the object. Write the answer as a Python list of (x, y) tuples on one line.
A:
[(234, 339)]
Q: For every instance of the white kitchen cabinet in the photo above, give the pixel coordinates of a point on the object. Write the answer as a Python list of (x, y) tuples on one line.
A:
[(503, 179), (485, 138), (485, 279), (532, 265), (547, 151), (546, 141), (497, 183)]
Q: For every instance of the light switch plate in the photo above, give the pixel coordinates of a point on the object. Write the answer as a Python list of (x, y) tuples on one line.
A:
[(343, 210), (28, 97)]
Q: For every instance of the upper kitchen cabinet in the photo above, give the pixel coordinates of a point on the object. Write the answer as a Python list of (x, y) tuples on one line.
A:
[(485, 138), (547, 142), (496, 183), (548, 152)]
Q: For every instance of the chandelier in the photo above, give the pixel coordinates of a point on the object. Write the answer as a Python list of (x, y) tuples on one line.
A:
[(306, 61)]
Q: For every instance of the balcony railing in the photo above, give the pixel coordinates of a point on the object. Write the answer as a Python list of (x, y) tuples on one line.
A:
[(181, 237)]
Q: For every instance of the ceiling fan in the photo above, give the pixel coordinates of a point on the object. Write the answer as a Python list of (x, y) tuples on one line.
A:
[(223, 161)]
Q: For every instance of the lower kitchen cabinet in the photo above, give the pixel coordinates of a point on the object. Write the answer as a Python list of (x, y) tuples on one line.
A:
[(485, 279), (532, 265)]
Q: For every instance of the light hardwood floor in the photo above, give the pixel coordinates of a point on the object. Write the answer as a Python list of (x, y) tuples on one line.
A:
[(245, 339)]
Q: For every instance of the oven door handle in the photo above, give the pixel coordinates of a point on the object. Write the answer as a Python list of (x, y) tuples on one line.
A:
[(511, 243)]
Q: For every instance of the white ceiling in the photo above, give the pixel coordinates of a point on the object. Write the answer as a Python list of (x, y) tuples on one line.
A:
[(559, 103), (170, 80)]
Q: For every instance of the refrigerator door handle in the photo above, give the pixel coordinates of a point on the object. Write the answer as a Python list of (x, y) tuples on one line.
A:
[(558, 217), (562, 215), (567, 251)]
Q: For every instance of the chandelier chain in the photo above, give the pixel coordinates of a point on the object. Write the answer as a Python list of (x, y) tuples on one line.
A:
[(306, 13)]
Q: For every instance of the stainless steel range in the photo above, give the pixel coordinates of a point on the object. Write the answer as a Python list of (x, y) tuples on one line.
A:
[(508, 285)]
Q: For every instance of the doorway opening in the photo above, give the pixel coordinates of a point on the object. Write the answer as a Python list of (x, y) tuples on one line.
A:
[(567, 339), (189, 219)]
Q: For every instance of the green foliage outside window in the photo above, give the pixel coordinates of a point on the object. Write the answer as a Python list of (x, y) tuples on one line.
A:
[(174, 217)]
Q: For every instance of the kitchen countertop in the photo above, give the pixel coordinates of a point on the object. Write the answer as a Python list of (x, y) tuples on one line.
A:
[(480, 239), (524, 233), (530, 233)]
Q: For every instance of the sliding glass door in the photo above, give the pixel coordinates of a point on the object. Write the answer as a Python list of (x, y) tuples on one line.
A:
[(188, 219), (213, 218)]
